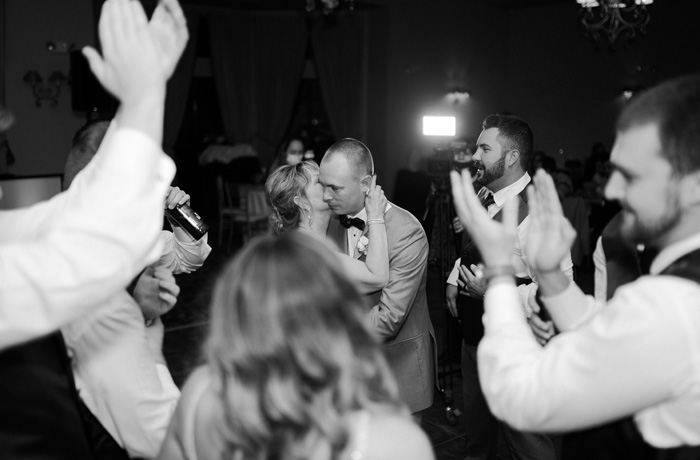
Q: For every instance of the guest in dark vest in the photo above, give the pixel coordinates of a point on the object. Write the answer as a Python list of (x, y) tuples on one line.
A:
[(618, 260), (622, 377), (60, 258), (503, 154)]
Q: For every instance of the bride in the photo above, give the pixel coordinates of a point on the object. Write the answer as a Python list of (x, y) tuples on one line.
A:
[(297, 203)]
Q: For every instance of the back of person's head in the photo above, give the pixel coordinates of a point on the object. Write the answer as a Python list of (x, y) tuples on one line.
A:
[(674, 107), (356, 153), (86, 141), (286, 191), (513, 134), (293, 351)]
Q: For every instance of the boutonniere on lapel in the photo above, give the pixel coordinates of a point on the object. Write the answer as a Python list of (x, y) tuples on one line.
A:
[(362, 245)]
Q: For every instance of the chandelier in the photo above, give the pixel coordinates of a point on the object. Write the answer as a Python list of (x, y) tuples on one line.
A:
[(328, 6), (613, 18)]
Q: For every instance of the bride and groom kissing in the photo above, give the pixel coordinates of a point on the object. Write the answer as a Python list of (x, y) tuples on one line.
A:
[(382, 247)]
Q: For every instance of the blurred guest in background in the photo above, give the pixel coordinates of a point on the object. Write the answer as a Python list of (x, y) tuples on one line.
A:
[(291, 152)]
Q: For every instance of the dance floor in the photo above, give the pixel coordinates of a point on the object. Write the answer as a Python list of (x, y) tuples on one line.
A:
[(186, 327)]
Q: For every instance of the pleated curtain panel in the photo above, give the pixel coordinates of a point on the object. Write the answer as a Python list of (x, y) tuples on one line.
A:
[(258, 61)]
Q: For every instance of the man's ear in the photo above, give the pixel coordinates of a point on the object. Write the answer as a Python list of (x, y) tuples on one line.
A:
[(365, 183), (689, 189), (512, 157)]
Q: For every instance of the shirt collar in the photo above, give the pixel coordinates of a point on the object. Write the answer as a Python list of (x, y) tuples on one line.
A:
[(506, 193), (360, 215), (673, 252)]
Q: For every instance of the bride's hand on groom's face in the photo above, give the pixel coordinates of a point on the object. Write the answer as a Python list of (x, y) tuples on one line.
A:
[(375, 201)]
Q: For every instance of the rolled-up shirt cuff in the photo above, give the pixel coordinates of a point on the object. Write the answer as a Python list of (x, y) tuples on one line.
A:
[(454, 274), (568, 308), (502, 303)]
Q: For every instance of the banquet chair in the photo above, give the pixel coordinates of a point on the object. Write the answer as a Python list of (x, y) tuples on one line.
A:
[(242, 206)]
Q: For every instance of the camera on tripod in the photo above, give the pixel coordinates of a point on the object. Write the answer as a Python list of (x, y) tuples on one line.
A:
[(455, 156)]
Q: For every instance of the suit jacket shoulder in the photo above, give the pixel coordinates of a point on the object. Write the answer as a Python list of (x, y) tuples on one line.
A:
[(400, 222)]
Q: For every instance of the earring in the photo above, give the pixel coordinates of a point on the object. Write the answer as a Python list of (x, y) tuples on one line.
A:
[(309, 216)]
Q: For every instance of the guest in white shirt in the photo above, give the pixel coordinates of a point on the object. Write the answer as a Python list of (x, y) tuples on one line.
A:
[(627, 374), (118, 364), (61, 257)]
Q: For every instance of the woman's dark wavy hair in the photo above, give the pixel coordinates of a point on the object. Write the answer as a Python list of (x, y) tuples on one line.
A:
[(293, 352), (285, 183)]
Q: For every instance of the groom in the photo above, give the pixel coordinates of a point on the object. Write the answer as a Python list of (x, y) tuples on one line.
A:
[(399, 312)]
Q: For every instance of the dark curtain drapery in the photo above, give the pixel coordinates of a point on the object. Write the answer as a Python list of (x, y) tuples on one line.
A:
[(340, 51), (179, 87), (257, 63)]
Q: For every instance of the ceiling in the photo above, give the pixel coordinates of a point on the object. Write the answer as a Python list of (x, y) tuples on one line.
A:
[(361, 4), (528, 3)]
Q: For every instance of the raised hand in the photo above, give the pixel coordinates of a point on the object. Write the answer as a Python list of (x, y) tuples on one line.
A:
[(168, 28), (494, 239), (542, 330), (457, 225), (138, 56), (375, 200), (451, 298), (156, 292), (471, 282), (551, 235), (175, 197), (129, 67)]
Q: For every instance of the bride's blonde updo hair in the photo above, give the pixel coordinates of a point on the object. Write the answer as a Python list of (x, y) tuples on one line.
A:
[(281, 187)]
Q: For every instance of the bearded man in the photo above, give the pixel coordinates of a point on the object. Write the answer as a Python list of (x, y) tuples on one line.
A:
[(504, 152)]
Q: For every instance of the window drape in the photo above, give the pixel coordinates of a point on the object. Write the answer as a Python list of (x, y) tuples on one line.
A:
[(257, 63), (179, 87), (340, 49)]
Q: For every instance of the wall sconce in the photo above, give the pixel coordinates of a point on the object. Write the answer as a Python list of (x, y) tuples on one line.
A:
[(458, 96), (48, 91), (60, 47), (630, 92)]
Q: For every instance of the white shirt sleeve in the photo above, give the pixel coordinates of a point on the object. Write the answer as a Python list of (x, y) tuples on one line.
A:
[(117, 377), (61, 258), (600, 277), (183, 254), (637, 352), (454, 274)]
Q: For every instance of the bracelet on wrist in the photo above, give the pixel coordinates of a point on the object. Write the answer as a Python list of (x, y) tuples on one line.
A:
[(499, 270), (375, 221)]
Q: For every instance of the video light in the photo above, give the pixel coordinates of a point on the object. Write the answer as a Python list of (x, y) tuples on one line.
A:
[(439, 126)]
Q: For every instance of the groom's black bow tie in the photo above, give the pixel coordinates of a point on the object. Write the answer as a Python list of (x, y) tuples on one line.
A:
[(348, 222)]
